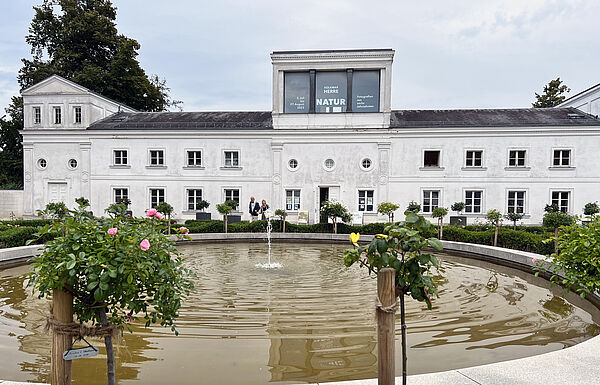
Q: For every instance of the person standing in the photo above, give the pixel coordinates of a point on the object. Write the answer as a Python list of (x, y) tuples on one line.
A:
[(263, 209), (253, 209)]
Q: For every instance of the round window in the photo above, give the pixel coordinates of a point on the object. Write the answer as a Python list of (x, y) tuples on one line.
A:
[(366, 163), (73, 163), (42, 163), (329, 164), (293, 163)]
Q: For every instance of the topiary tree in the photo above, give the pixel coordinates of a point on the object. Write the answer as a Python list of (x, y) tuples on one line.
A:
[(116, 269), (514, 217), (335, 210), (552, 208), (413, 207), (440, 213), (494, 216), (166, 209), (225, 209), (202, 205), (388, 208), (401, 248), (458, 207), (591, 209), (281, 214), (555, 220)]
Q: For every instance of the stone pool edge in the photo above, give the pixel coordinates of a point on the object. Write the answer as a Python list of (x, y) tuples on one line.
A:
[(576, 365)]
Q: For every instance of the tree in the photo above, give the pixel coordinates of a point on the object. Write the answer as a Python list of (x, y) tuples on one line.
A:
[(555, 220), (494, 216), (388, 208), (552, 96), (225, 209), (281, 214), (413, 207), (401, 248), (335, 210), (440, 213), (591, 209), (202, 205), (117, 269), (514, 217), (11, 150), (166, 209), (458, 207)]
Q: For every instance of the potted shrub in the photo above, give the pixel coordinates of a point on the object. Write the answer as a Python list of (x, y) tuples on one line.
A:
[(281, 214), (590, 210), (233, 218), (459, 219), (224, 209), (202, 216)]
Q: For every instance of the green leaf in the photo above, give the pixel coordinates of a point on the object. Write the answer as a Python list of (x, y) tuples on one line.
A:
[(71, 264), (92, 285), (98, 295), (436, 244), (103, 285)]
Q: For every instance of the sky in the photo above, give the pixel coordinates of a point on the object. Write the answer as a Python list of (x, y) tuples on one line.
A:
[(448, 54)]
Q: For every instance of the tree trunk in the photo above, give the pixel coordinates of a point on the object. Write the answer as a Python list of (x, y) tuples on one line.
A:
[(334, 226), (62, 311), (169, 225), (284, 223), (110, 352), (556, 240), (496, 235), (403, 330), (225, 222), (515, 225), (386, 292), (441, 228)]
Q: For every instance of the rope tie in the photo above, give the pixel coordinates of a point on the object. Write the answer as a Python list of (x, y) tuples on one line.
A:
[(386, 309), (74, 329)]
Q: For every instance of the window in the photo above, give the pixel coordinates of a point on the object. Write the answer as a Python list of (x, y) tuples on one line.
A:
[(121, 194), (157, 195), (72, 164), (157, 158), (473, 158), (473, 201), (77, 113), (431, 199), (365, 200), (431, 158), (194, 196), (232, 159), (365, 91), (120, 157), (194, 158), (57, 115), (516, 158), (233, 194), (37, 115), (561, 199), (516, 202), (292, 200), (366, 163), (293, 164), (562, 158), (329, 164), (297, 92), (42, 163), (331, 92)]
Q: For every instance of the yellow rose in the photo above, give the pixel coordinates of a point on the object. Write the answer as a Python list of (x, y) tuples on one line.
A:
[(354, 237), (381, 236)]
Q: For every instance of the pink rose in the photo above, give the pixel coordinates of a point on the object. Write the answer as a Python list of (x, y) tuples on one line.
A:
[(184, 230), (112, 231), (144, 245), (158, 215), (151, 212), (534, 260)]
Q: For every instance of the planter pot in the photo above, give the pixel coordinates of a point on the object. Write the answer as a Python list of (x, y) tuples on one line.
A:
[(203, 216), (458, 220), (234, 218)]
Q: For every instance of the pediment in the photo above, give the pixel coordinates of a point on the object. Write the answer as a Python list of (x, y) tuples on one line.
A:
[(55, 85)]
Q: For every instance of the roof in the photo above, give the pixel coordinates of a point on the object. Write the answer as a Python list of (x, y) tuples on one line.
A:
[(329, 51), (570, 98), (513, 117), (239, 120)]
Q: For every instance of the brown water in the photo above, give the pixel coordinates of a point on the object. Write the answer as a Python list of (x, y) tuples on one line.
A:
[(310, 321)]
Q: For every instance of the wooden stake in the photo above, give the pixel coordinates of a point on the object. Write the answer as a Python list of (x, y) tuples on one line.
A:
[(62, 304), (386, 279)]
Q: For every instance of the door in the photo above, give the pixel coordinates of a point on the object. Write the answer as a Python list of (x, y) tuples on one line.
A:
[(57, 192), (323, 196)]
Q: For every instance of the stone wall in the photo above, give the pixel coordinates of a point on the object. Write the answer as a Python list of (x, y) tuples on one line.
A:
[(11, 203)]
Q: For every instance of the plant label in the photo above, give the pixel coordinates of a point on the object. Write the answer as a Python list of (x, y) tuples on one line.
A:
[(73, 354)]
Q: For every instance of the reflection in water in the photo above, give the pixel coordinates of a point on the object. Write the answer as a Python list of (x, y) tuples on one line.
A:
[(310, 321)]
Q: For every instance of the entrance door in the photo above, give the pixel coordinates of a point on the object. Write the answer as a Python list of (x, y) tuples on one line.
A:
[(57, 192), (323, 196)]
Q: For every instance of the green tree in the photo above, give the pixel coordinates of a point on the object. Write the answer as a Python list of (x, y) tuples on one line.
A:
[(552, 96), (335, 210), (401, 248), (387, 208), (514, 217), (166, 209), (413, 207), (458, 207), (494, 216), (440, 213), (225, 209), (11, 150), (281, 214), (555, 220), (591, 209)]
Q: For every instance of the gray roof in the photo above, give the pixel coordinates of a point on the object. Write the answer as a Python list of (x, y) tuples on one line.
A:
[(510, 117), (260, 120), (250, 120)]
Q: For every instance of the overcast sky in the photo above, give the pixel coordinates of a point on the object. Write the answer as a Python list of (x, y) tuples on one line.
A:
[(449, 54)]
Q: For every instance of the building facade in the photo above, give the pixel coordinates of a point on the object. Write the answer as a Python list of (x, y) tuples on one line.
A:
[(331, 134)]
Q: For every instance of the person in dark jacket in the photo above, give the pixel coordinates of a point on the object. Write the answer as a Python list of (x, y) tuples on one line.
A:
[(253, 209), (263, 209)]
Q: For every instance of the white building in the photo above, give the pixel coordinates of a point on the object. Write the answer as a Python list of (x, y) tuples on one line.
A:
[(587, 101), (331, 134)]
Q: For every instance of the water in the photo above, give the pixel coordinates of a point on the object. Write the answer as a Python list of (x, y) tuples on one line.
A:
[(310, 321), (269, 265)]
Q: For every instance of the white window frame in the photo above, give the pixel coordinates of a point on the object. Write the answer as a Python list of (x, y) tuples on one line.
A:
[(54, 115), (364, 158), (571, 158), (289, 167), (187, 157), (366, 190), (164, 158), (525, 199), (299, 196), (187, 198), (114, 192), (150, 188), (37, 115), (114, 157), (440, 165), (224, 196), (563, 190), (422, 198), (482, 165), (75, 115), (525, 160), (481, 204), (239, 157)]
